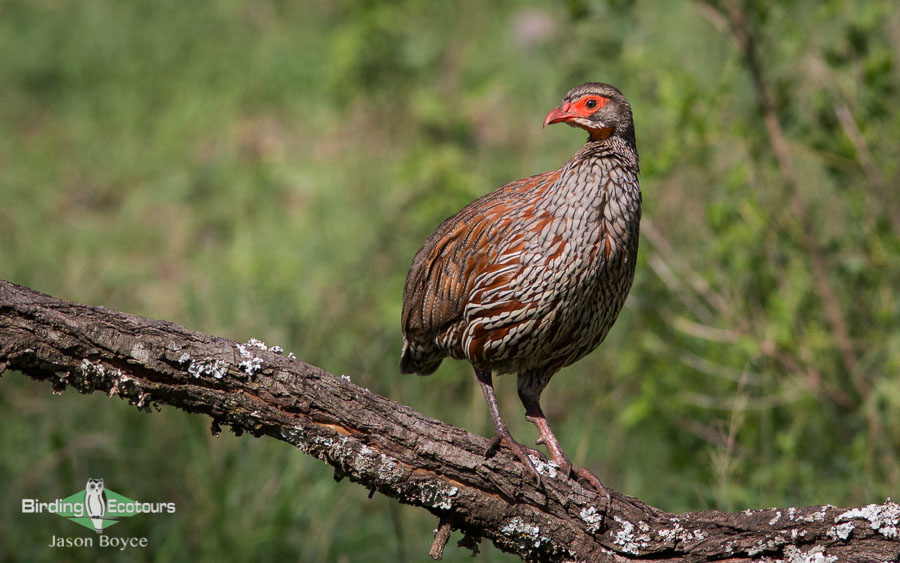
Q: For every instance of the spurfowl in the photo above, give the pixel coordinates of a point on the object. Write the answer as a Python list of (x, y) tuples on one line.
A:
[(530, 277)]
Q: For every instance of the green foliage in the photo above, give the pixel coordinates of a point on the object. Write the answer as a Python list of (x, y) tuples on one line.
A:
[(268, 169)]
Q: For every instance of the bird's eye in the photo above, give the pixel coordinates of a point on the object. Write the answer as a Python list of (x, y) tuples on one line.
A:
[(590, 104)]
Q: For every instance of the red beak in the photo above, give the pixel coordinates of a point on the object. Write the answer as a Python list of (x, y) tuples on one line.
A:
[(560, 114)]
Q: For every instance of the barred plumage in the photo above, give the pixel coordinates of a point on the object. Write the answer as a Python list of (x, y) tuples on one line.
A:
[(529, 278)]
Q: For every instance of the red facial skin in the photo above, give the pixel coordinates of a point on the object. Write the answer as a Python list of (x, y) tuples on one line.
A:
[(582, 107)]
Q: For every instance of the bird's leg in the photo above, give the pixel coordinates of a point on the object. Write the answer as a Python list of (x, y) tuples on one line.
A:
[(501, 432), (535, 415)]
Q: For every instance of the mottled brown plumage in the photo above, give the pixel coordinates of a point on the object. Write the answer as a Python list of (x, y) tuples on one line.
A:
[(529, 278)]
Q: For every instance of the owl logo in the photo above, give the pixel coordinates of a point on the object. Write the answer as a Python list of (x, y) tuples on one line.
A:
[(95, 503)]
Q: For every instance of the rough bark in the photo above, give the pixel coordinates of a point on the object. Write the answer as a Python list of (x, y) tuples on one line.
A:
[(389, 448)]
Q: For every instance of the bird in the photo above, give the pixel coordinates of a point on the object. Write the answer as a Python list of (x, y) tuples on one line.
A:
[(95, 502), (530, 277)]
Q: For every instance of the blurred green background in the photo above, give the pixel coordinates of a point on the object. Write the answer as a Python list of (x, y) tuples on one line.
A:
[(268, 169)]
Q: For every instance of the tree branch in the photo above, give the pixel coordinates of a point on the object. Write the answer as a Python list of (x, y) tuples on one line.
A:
[(389, 448)]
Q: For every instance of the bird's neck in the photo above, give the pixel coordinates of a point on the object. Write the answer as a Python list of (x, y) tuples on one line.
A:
[(615, 148), (600, 170)]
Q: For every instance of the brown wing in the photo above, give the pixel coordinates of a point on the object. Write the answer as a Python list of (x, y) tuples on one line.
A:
[(468, 256)]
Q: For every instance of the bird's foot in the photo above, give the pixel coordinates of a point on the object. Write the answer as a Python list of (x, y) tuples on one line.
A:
[(521, 451), (592, 480), (569, 470), (557, 454)]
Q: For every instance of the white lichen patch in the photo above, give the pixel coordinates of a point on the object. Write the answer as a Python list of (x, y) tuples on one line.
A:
[(770, 544), (817, 516), (346, 378), (256, 343), (319, 446), (329, 443), (389, 472), (883, 518), (297, 436), (184, 359), (592, 517), (89, 369), (207, 366), (680, 535), (250, 364), (630, 541), (547, 468), (775, 519), (841, 531), (816, 554), (729, 547), (140, 352), (362, 459), (525, 534), (671, 534), (438, 496)]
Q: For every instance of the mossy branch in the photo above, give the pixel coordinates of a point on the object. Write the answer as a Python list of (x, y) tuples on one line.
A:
[(392, 449)]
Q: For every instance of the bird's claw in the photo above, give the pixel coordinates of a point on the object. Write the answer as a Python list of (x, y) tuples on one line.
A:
[(569, 470), (520, 450), (592, 480)]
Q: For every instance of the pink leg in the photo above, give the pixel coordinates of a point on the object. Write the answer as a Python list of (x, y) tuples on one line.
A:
[(501, 433), (534, 414)]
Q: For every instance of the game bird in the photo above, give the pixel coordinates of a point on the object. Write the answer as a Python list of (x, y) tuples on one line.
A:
[(529, 278)]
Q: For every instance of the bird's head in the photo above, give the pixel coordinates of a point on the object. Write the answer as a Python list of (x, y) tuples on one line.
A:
[(598, 108)]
